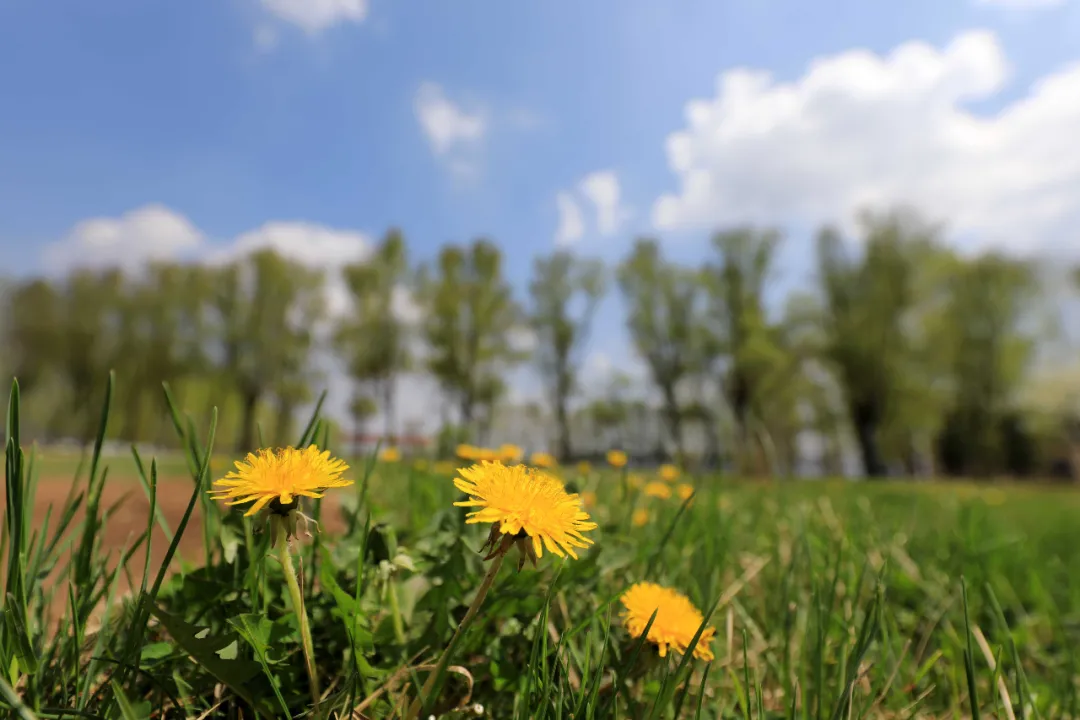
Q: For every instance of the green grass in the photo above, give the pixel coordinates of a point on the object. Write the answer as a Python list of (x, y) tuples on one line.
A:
[(832, 600), (66, 464)]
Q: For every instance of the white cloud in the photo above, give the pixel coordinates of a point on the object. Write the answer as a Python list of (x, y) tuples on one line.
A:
[(571, 222), (602, 189), (151, 232), (307, 243), (311, 245), (445, 124), (314, 16), (858, 128), (155, 232)]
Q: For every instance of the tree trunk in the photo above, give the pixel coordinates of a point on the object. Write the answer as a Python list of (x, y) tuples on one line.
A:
[(563, 422), (866, 434), (247, 418), (676, 426), (467, 408), (389, 411)]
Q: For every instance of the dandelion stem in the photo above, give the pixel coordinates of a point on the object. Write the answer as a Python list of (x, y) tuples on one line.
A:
[(395, 612), (444, 659), (297, 598)]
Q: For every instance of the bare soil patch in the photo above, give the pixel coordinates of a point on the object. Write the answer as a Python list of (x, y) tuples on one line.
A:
[(128, 521)]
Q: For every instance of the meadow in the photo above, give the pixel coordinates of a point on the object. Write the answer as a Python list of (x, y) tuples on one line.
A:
[(829, 599)]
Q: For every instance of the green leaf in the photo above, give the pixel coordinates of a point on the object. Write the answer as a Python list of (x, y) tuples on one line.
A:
[(12, 698), (126, 709), (205, 651), (156, 651), (230, 543), (262, 634)]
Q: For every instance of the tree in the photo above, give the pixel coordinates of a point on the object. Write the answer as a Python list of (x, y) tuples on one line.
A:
[(867, 299), (265, 312), (990, 298), (33, 340), (163, 335), (565, 292), (664, 306), (373, 338), (469, 315), (362, 408), (90, 333), (742, 345), (609, 412)]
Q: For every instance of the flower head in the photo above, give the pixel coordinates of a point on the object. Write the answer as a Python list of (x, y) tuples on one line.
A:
[(444, 467), (658, 490), (635, 480), (420, 464), (685, 491), (467, 452), (510, 453), (543, 460), (640, 518), (588, 499), (676, 623), (616, 458), (584, 468), (476, 454), (669, 473), (390, 454), (282, 475), (522, 504)]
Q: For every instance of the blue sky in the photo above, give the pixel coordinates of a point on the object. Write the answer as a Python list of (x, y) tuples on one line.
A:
[(232, 114)]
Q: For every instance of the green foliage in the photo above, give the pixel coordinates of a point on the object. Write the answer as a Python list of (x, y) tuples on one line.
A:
[(830, 599), (868, 301), (469, 316), (664, 318), (565, 291), (374, 338), (922, 360), (743, 347)]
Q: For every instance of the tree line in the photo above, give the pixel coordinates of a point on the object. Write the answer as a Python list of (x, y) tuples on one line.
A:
[(910, 354)]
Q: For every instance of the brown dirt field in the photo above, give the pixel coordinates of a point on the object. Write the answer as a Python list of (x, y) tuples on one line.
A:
[(129, 521)]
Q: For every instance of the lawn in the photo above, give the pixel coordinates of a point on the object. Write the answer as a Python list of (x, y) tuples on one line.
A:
[(829, 600)]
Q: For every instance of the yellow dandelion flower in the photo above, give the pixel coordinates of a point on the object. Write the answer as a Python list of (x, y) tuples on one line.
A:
[(467, 452), (420, 464), (543, 460), (282, 475), (521, 502), (669, 473), (584, 468), (640, 518), (445, 467), (510, 453), (588, 499), (390, 455), (658, 490), (676, 623), (635, 480), (684, 491), (616, 458)]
